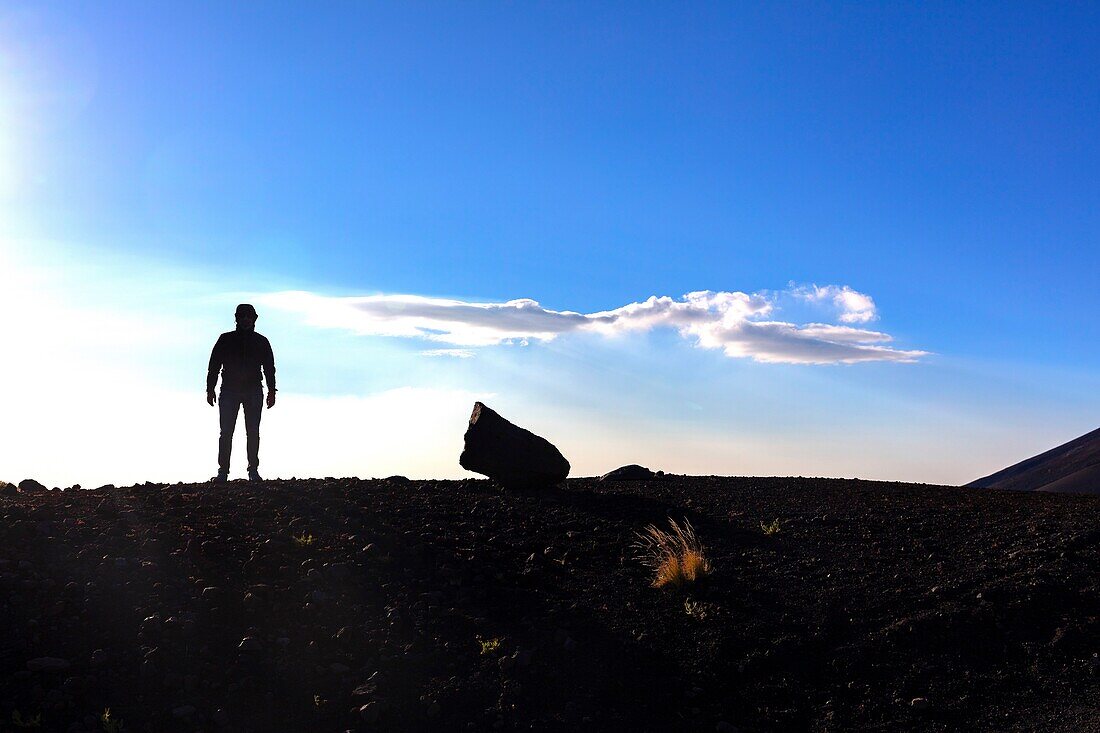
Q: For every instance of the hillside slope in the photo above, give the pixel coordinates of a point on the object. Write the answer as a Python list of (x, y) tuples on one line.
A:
[(346, 604), (1072, 467)]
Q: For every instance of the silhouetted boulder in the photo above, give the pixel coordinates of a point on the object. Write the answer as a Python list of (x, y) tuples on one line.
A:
[(633, 472), (30, 486), (6, 488), (508, 454)]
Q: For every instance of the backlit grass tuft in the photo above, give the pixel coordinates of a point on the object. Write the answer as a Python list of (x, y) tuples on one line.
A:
[(675, 555)]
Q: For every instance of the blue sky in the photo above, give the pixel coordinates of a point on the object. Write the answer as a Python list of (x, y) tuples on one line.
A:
[(159, 163)]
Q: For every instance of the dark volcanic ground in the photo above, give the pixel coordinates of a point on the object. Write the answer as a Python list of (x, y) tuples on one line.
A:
[(452, 605)]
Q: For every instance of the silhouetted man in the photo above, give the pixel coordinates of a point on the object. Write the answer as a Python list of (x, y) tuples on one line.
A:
[(240, 355)]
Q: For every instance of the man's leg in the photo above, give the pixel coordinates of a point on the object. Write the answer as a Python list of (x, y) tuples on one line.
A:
[(253, 409), (228, 406)]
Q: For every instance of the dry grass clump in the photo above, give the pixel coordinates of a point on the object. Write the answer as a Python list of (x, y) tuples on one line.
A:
[(488, 646), (770, 528), (111, 724), (675, 555)]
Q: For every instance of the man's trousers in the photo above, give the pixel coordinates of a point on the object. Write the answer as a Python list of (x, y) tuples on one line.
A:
[(229, 404)]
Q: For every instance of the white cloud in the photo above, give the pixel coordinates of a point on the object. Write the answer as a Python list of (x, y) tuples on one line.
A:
[(854, 306), (449, 321), (728, 320)]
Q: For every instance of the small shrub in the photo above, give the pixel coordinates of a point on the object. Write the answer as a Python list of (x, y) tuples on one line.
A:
[(19, 721), (110, 723), (695, 609), (304, 540), (770, 528), (676, 555), (488, 646)]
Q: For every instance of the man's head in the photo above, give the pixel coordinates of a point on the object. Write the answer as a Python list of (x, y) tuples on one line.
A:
[(246, 317)]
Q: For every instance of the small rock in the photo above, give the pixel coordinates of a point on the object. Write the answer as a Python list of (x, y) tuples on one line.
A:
[(183, 712), (99, 658), (30, 486), (150, 625), (250, 644), (725, 727), (919, 703), (48, 664), (633, 472), (369, 712)]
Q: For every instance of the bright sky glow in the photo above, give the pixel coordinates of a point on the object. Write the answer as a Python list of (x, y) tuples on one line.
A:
[(841, 241)]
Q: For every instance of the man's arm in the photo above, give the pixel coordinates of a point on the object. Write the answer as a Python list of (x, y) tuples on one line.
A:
[(269, 372), (212, 370)]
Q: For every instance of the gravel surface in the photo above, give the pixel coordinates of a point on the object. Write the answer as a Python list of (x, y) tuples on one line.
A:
[(396, 605)]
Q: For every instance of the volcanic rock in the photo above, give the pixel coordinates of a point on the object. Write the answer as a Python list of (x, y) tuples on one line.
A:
[(508, 454), (633, 472), (30, 486), (250, 644)]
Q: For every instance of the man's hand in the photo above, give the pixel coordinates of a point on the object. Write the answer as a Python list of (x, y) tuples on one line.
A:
[(271, 398), (210, 400)]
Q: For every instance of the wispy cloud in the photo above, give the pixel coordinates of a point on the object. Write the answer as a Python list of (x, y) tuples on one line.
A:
[(738, 323), (453, 353)]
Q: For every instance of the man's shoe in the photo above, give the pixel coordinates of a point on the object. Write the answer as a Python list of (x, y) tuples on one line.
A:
[(254, 475), (221, 478)]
